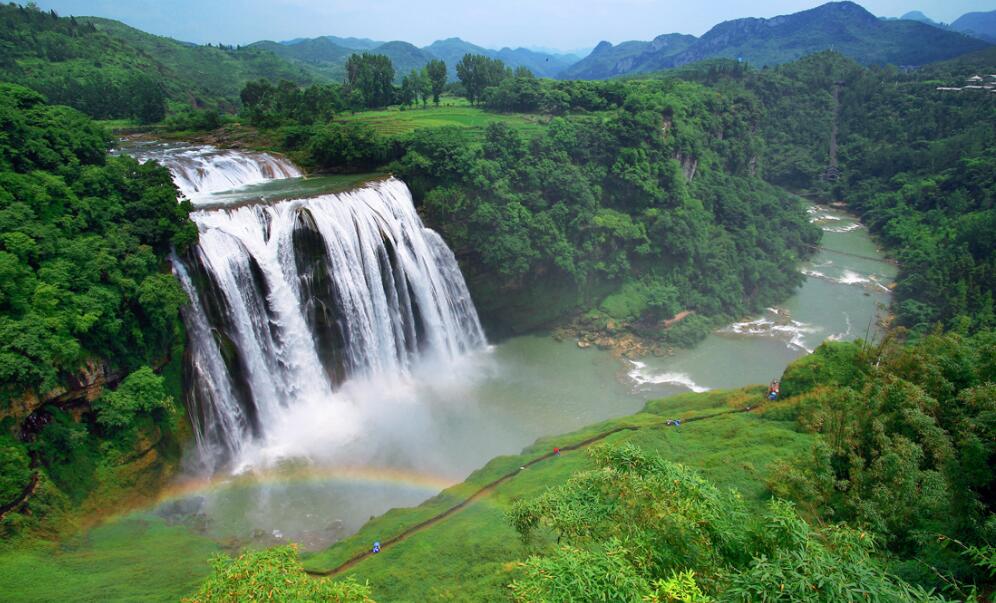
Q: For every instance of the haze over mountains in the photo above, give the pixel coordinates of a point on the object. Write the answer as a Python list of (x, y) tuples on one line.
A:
[(846, 27), (45, 55), (842, 26), (328, 54)]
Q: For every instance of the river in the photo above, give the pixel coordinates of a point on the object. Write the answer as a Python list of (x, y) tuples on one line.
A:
[(419, 432)]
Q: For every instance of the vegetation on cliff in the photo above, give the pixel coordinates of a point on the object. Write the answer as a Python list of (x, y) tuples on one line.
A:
[(84, 288)]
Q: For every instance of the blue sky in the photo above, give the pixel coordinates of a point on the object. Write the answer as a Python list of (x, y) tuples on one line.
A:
[(564, 24)]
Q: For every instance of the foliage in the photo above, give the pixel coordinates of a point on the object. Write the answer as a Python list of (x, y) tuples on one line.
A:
[(613, 199), (109, 70), (273, 575), (916, 163), (346, 145), (267, 105), (142, 391), (83, 238), (369, 80), (637, 519), (204, 121), (478, 72), (436, 72), (15, 469), (907, 447)]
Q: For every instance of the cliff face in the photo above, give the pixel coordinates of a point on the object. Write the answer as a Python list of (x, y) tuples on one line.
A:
[(80, 388)]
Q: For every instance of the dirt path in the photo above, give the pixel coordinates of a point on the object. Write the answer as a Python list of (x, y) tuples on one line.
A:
[(26, 494), (490, 487)]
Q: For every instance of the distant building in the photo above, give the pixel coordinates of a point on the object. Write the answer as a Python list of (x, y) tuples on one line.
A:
[(949, 89), (974, 78)]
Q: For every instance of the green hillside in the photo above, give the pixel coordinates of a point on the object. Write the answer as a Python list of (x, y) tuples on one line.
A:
[(319, 54), (109, 70)]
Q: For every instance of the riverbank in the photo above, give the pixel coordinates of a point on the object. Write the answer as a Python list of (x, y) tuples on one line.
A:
[(470, 554)]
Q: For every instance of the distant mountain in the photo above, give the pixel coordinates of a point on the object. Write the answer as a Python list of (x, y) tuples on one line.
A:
[(451, 50), (354, 43), (324, 56), (980, 25), (190, 73), (841, 26), (320, 54), (404, 56), (606, 61), (915, 15), (541, 64)]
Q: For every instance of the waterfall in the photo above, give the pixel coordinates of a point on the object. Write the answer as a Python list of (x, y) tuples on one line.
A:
[(202, 170), (291, 301)]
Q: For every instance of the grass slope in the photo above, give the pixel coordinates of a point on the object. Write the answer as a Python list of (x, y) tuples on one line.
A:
[(454, 112), (136, 559), (469, 555)]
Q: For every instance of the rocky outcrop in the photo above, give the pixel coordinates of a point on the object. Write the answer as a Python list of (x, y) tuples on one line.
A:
[(84, 386)]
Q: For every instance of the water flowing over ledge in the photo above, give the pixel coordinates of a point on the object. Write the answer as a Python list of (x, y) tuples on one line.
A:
[(293, 301), (200, 171)]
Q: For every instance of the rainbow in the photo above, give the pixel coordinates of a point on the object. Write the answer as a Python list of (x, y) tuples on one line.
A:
[(305, 474)]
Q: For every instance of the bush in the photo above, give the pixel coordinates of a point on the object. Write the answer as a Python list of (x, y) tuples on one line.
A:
[(273, 574), (142, 391), (341, 146)]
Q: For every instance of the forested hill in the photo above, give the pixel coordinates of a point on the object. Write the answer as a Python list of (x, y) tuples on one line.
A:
[(842, 26), (917, 159), (109, 70), (328, 55)]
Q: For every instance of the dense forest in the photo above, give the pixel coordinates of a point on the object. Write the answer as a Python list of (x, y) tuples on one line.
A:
[(916, 163), (84, 285)]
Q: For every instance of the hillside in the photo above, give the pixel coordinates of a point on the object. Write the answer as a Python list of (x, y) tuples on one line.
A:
[(980, 25), (842, 26), (212, 73), (321, 54), (607, 60), (109, 70)]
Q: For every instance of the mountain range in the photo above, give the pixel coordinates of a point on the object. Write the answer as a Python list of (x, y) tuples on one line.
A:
[(842, 26), (328, 54), (54, 55), (979, 25)]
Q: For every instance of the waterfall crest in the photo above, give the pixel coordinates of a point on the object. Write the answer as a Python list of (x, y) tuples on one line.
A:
[(292, 300), (202, 170)]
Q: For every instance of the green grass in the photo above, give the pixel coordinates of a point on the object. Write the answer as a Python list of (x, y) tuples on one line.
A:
[(134, 559), (453, 112), (470, 555)]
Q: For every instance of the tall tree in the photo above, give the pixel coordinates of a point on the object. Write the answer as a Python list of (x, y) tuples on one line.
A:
[(436, 70), (372, 75), (478, 72)]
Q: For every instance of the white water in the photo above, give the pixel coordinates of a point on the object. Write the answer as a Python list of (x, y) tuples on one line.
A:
[(199, 171), (641, 376), (394, 299)]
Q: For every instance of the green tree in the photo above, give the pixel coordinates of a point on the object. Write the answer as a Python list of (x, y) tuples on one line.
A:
[(142, 391), (372, 75), (478, 72), (436, 71), (273, 574)]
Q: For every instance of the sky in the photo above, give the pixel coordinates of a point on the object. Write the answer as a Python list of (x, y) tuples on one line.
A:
[(560, 24)]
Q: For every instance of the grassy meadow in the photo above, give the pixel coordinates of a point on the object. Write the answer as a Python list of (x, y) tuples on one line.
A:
[(470, 555), (452, 111)]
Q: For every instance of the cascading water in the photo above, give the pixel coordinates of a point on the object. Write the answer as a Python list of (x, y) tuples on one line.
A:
[(199, 171), (292, 300)]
